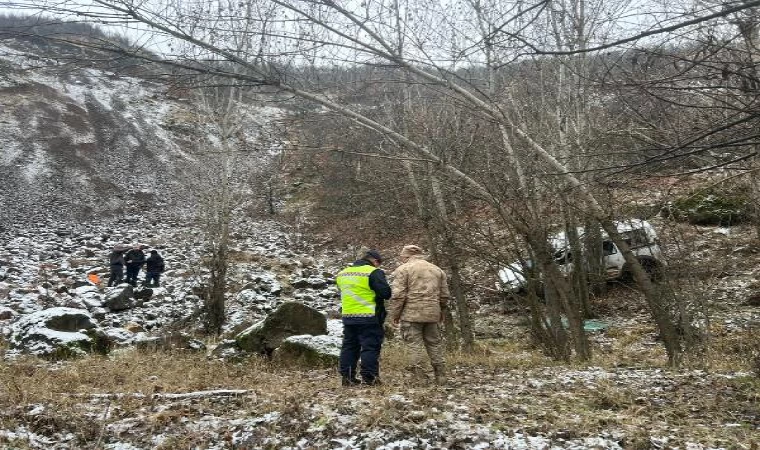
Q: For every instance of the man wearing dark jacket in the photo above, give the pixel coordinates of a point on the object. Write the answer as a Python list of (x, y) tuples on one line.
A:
[(154, 265), (363, 291), (116, 261), (135, 258)]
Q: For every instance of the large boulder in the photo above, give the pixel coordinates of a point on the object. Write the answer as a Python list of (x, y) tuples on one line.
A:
[(289, 319), (120, 298), (310, 351), (58, 332)]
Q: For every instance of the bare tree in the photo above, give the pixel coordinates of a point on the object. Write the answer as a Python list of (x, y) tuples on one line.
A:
[(368, 33)]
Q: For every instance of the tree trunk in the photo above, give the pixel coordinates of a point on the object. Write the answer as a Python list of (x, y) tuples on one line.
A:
[(451, 254), (555, 328), (563, 290), (655, 302), (597, 272), (463, 311), (580, 269)]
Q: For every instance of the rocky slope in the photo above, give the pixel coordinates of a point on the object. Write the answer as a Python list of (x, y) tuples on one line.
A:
[(44, 267)]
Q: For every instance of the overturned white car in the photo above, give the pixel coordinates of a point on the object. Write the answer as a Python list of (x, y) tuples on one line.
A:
[(639, 234)]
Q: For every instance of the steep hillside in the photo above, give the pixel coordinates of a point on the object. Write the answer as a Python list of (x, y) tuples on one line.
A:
[(77, 142)]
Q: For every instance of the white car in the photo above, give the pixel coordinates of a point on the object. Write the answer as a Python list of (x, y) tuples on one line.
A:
[(639, 234)]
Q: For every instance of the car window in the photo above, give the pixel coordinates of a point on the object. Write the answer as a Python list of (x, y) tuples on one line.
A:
[(608, 248)]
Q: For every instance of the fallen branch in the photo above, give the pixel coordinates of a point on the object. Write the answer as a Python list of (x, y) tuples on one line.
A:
[(170, 396)]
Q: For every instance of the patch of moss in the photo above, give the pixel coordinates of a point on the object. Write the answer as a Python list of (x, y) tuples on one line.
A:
[(711, 207)]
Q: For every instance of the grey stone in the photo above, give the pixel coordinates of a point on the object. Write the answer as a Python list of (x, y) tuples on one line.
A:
[(7, 313), (99, 313), (119, 298), (143, 295), (80, 283), (288, 319), (171, 341), (311, 282), (227, 349), (309, 351)]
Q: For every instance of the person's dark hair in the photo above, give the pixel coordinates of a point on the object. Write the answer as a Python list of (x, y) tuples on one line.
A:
[(372, 253)]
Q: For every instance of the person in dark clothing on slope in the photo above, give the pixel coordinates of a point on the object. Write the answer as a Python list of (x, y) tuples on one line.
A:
[(135, 258), (116, 261), (154, 266), (363, 291)]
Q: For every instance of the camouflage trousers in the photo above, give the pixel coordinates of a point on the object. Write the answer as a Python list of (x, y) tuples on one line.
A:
[(420, 338)]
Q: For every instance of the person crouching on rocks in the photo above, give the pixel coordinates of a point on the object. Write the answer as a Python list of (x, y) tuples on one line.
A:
[(363, 291), (116, 261), (154, 266), (134, 258)]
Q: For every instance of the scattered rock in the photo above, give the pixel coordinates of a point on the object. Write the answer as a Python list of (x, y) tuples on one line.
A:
[(311, 282), (753, 299), (227, 349), (85, 289), (171, 341), (119, 298), (306, 261), (143, 294), (6, 313), (120, 336), (289, 319), (99, 313), (133, 327), (80, 283)]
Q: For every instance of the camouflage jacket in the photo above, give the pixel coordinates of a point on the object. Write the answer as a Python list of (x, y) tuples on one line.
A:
[(420, 292)]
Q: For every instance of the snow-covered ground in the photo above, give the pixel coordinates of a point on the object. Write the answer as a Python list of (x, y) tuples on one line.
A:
[(481, 409), (43, 267), (84, 142)]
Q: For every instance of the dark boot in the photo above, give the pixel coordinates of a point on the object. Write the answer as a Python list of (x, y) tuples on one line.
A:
[(371, 381), (439, 371), (349, 382)]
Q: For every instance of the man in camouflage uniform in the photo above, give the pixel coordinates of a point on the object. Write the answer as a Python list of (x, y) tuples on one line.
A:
[(420, 296)]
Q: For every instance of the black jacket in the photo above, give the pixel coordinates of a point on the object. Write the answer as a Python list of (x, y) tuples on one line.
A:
[(154, 263), (116, 258), (379, 284), (135, 257)]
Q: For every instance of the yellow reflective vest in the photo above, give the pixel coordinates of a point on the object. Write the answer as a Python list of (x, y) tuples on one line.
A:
[(356, 297)]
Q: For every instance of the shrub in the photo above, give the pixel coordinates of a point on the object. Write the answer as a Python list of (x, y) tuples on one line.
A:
[(711, 207)]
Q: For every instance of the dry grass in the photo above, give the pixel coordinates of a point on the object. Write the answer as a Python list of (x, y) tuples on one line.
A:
[(505, 384)]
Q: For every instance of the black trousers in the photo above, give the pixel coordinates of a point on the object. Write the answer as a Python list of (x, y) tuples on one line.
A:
[(117, 273), (151, 278), (132, 271), (361, 342)]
